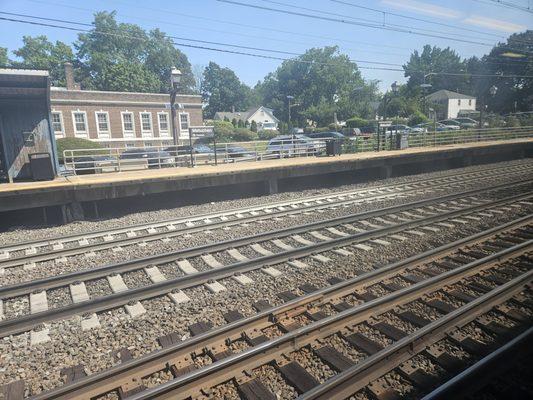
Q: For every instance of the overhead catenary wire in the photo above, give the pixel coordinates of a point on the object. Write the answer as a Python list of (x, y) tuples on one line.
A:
[(355, 23), (264, 56), (350, 4), (506, 4)]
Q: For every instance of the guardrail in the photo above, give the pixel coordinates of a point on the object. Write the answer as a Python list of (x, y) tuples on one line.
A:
[(90, 161)]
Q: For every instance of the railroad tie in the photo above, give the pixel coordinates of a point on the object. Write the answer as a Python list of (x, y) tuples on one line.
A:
[(320, 258), (342, 252), (334, 280), (38, 302), (215, 287), (418, 376), (470, 344), (441, 306), (287, 295), (1, 309), (444, 359), (135, 309), (308, 288), (38, 337), (302, 240), (297, 264), (242, 279), (200, 327), (298, 377), (89, 322), (117, 283), (362, 246), (72, 374), (336, 232), (58, 246), (342, 306), (4, 255), (381, 390), (262, 305), (168, 340), (282, 245), (333, 358), (13, 390), (237, 255), (178, 297), (31, 251), (29, 266), (390, 331), (255, 390), (78, 292), (319, 236), (364, 344), (414, 319), (232, 316), (186, 267), (261, 250), (155, 274), (211, 261), (255, 337), (273, 272)]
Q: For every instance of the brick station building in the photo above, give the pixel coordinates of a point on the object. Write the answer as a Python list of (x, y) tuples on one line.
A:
[(120, 119)]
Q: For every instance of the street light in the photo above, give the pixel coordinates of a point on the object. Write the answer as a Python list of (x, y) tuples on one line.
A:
[(175, 79), (394, 89), (492, 91)]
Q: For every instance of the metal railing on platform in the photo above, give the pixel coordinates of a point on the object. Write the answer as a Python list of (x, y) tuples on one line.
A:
[(104, 160)]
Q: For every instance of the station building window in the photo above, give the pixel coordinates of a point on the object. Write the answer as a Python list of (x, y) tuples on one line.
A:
[(102, 124), (146, 124), (162, 118), (128, 124), (57, 124), (184, 121), (79, 120)]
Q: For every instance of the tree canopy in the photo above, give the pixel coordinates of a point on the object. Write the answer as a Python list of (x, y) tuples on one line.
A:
[(4, 59), (112, 47), (222, 90), (322, 82), (39, 53)]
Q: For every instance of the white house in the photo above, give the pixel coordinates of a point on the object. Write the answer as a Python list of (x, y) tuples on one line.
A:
[(263, 117), (451, 104)]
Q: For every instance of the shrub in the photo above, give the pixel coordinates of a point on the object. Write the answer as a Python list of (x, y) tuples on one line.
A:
[(74, 144), (244, 135), (253, 126), (223, 130), (417, 118), (267, 135), (356, 122)]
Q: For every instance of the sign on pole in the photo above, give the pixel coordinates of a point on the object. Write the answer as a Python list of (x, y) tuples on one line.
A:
[(202, 131)]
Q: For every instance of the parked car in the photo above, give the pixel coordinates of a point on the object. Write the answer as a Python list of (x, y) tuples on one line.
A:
[(467, 123), (453, 124), (85, 165), (234, 151), (292, 145), (420, 128), (397, 129), (154, 157)]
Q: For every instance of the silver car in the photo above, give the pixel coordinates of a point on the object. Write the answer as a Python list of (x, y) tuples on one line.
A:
[(293, 145)]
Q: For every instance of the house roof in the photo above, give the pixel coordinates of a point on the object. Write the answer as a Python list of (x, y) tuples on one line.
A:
[(447, 94), (242, 115)]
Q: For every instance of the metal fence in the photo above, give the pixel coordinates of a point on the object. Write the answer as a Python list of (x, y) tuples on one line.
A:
[(91, 161)]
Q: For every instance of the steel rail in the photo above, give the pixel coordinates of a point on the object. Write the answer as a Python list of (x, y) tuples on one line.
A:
[(100, 233), (489, 367), (112, 378), (99, 272), (227, 368), (355, 378), (52, 254), (27, 322)]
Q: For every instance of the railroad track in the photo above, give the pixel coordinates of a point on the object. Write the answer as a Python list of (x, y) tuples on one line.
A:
[(341, 339), (341, 236), (87, 244)]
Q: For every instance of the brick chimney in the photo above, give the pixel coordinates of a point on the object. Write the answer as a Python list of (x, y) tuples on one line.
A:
[(69, 76)]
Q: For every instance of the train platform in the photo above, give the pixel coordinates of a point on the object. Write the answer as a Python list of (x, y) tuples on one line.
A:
[(267, 176)]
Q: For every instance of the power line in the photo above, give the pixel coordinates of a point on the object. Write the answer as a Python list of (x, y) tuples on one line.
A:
[(197, 40), (375, 23), (344, 21), (444, 73), (419, 19), (506, 4), (284, 40)]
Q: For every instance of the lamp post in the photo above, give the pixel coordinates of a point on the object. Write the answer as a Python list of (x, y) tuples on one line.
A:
[(492, 91), (394, 89), (175, 79)]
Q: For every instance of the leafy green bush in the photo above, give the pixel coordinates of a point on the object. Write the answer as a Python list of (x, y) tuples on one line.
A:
[(267, 135), (356, 122), (244, 135), (74, 144), (417, 118), (223, 130)]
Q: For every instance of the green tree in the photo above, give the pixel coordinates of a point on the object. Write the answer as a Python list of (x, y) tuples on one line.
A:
[(253, 126), (434, 60), (234, 122), (39, 53), (111, 43), (222, 90), (4, 59), (128, 78), (322, 82)]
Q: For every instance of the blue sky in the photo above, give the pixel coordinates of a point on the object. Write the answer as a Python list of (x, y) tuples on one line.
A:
[(215, 21)]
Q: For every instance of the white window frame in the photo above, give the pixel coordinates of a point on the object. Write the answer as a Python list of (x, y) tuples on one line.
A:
[(78, 133), (61, 133), (128, 133), (146, 133), (100, 133), (188, 122), (163, 133)]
